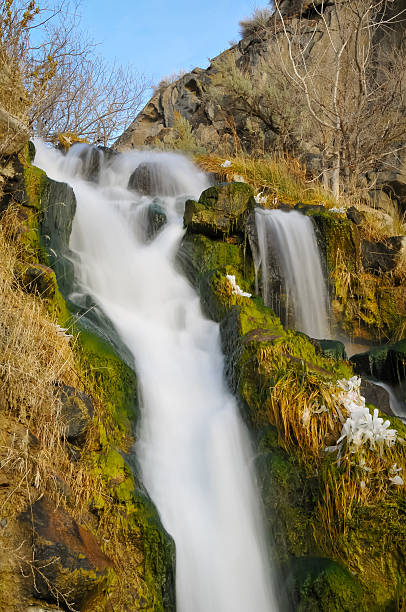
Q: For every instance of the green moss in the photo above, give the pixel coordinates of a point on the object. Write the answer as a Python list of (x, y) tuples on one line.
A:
[(221, 211), (200, 255), (111, 377), (287, 496), (320, 585), (35, 180), (254, 315), (339, 238)]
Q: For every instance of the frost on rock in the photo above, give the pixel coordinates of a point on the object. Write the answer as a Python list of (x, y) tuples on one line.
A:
[(260, 199), (361, 427), (339, 210), (235, 288), (226, 164)]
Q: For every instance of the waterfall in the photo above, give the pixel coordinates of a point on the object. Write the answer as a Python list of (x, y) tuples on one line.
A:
[(192, 447), (288, 255)]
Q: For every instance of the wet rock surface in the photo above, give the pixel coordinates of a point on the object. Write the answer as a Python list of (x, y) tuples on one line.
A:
[(156, 217)]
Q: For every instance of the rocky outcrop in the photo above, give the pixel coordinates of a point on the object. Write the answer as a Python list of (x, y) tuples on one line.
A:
[(221, 122)]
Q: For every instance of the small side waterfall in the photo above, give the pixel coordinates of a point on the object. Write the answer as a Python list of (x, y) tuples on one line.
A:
[(398, 406), (192, 446), (287, 243)]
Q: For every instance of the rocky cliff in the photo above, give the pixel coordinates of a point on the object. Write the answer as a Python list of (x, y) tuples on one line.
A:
[(266, 114)]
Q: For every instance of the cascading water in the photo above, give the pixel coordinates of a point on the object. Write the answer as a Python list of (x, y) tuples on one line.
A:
[(289, 237), (193, 450)]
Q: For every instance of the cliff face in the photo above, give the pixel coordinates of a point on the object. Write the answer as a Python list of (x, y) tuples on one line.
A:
[(210, 120), (270, 116)]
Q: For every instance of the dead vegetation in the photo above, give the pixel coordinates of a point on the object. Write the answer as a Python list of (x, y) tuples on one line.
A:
[(35, 458)]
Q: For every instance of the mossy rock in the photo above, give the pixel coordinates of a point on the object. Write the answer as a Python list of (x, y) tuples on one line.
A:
[(207, 262), (333, 348), (288, 497), (141, 521), (338, 238), (222, 210), (198, 255), (106, 371), (321, 585)]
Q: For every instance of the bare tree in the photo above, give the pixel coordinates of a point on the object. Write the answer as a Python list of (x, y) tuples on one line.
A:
[(66, 85), (329, 80), (352, 76)]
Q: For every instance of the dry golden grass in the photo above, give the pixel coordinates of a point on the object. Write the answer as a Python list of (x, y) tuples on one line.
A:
[(281, 179), (34, 457), (300, 405)]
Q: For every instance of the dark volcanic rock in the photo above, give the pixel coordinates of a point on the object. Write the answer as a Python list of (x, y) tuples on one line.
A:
[(154, 179), (221, 210), (355, 215), (58, 210), (72, 564), (380, 257)]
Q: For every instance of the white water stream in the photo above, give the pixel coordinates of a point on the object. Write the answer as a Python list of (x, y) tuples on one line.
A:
[(193, 449), (290, 237)]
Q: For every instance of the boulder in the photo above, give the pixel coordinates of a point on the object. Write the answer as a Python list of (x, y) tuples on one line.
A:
[(153, 179), (330, 348), (322, 585), (92, 160), (76, 413), (58, 204), (72, 564), (382, 201), (355, 215), (14, 187), (378, 257), (222, 210), (37, 278)]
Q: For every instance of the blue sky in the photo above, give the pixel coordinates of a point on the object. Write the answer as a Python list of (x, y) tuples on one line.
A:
[(162, 37)]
